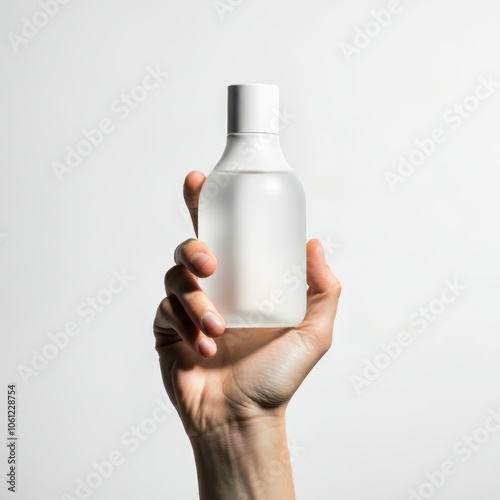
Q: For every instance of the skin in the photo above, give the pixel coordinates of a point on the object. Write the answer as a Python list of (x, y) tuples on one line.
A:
[(231, 386)]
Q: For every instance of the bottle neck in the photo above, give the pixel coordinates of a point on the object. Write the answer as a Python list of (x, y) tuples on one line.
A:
[(253, 152)]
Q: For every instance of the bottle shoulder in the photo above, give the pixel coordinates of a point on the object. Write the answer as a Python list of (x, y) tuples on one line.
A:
[(222, 187), (253, 153)]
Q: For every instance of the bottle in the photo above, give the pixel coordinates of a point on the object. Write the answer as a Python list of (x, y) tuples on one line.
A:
[(251, 214)]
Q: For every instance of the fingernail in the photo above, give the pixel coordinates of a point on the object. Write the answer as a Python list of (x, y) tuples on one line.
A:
[(207, 348), (200, 260), (211, 322)]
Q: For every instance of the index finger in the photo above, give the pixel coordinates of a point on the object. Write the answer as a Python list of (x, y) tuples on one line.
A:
[(192, 187)]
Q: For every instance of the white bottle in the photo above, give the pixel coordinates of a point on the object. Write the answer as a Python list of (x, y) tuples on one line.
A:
[(252, 216)]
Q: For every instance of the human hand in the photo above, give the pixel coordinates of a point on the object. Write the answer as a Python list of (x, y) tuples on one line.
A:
[(222, 379)]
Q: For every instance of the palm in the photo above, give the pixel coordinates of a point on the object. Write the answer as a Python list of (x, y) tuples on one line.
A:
[(252, 370)]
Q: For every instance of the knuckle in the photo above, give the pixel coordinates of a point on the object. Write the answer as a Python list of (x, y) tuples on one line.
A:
[(337, 288), (180, 251), (193, 300), (163, 315), (165, 306), (172, 274)]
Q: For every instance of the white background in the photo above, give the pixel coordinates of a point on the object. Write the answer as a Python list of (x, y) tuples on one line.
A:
[(120, 209)]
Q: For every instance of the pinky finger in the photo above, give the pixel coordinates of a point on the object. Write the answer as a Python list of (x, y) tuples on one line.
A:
[(172, 316)]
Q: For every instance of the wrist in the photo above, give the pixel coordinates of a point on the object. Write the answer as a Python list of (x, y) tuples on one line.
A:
[(244, 460)]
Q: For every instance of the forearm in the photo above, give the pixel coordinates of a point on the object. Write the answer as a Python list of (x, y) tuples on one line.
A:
[(245, 461)]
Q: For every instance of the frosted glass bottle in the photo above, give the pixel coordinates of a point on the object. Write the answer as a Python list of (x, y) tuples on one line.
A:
[(252, 216)]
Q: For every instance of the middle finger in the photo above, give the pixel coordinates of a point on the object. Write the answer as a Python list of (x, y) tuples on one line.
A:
[(180, 282)]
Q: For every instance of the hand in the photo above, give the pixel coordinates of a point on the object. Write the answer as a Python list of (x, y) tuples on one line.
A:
[(220, 380)]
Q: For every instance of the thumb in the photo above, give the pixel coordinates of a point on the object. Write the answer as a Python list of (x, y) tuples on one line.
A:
[(322, 297)]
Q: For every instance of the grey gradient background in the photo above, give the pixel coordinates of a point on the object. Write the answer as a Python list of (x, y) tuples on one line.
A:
[(121, 208)]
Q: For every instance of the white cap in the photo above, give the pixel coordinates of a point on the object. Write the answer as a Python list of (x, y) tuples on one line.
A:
[(253, 107)]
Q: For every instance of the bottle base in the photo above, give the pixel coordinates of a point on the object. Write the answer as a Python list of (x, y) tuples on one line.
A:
[(256, 320)]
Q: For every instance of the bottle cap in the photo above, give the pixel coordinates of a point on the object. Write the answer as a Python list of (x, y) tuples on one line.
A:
[(253, 107)]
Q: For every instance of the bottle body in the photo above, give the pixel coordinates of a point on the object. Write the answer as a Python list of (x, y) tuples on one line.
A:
[(252, 216)]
